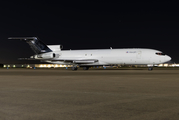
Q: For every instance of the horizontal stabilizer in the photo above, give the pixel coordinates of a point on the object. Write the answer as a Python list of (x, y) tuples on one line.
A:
[(27, 59), (22, 38)]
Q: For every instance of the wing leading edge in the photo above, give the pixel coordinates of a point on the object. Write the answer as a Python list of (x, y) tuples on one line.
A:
[(77, 61)]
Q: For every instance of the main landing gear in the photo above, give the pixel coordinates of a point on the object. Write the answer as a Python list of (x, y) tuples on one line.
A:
[(85, 68), (74, 68), (150, 68)]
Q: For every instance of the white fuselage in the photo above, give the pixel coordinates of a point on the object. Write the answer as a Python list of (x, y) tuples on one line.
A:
[(114, 56)]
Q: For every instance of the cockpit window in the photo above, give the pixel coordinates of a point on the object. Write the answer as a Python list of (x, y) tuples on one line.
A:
[(160, 53)]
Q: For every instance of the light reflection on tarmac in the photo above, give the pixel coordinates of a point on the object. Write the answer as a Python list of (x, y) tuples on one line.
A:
[(55, 94)]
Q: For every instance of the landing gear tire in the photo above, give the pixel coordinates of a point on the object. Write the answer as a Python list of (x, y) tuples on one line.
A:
[(85, 68), (150, 68), (74, 68)]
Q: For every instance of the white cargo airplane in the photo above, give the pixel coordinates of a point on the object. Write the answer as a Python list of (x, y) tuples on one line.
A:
[(97, 57)]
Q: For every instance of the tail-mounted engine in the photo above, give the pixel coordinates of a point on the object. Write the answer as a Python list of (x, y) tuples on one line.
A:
[(45, 56)]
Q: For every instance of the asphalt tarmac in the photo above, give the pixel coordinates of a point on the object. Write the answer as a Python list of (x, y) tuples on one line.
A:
[(116, 94)]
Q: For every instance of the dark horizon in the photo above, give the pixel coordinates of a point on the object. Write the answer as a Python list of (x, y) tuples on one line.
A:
[(89, 25)]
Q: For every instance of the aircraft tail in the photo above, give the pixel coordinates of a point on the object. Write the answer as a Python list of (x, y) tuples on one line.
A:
[(35, 43)]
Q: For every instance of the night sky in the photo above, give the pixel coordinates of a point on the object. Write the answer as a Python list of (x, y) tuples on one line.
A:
[(89, 24)]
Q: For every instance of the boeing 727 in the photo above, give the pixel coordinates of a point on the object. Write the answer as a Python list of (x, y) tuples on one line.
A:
[(97, 57)]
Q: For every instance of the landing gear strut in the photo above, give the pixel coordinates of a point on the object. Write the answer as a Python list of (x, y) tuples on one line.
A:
[(74, 68), (150, 68), (85, 68)]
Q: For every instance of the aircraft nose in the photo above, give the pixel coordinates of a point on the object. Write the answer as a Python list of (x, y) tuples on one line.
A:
[(168, 58)]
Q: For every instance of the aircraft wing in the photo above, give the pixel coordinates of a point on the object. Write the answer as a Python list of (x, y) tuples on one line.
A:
[(77, 61)]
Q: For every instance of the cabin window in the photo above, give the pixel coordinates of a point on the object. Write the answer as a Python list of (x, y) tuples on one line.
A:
[(160, 54)]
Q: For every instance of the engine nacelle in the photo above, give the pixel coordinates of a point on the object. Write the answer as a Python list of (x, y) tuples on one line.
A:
[(44, 56)]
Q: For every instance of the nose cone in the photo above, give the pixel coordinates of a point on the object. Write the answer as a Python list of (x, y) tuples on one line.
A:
[(167, 58)]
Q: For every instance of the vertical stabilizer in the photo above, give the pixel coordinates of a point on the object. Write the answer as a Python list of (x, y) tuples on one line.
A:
[(36, 45)]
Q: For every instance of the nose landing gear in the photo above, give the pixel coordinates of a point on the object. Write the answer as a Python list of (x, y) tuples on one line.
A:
[(150, 67)]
